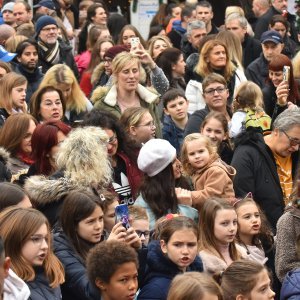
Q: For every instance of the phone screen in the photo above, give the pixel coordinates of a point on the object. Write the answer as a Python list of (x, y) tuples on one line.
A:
[(122, 215)]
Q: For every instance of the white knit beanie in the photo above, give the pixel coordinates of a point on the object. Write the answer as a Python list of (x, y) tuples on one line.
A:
[(155, 156)]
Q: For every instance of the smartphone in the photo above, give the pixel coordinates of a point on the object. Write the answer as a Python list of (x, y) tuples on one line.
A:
[(134, 41), (122, 215), (286, 73)]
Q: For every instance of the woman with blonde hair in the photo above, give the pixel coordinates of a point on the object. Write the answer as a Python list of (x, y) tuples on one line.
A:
[(28, 243), (12, 95), (12, 43), (83, 163), (157, 44), (126, 91), (62, 77), (214, 58)]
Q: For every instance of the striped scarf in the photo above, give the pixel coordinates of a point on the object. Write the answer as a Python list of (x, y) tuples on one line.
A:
[(50, 54)]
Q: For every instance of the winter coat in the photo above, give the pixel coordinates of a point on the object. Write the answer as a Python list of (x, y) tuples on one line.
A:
[(258, 71), (106, 99), (290, 289), (3, 116), (257, 173), (40, 288), (183, 210), (72, 116), (251, 50), (65, 57), (288, 229), (82, 61), (160, 272), (5, 174), (213, 180), (194, 92), (14, 288), (34, 79), (99, 77), (47, 195), (77, 285)]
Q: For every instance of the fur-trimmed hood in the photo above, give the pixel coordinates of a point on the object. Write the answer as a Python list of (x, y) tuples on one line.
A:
[(42, 190), (97, 73), (4, 156), (109, 96)]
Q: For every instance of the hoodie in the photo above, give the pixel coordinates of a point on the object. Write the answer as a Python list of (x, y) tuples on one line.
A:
[(213, 180)]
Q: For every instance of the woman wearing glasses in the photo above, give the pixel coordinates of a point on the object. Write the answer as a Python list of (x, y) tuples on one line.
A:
[(279, 93), (122, 152), (214, 58)]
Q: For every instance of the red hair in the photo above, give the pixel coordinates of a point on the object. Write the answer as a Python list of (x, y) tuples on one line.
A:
[(43, 139)]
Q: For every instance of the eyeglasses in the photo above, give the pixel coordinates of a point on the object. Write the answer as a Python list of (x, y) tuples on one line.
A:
[(219, 90), (293, 141), (146, 233), (112, 139), (49, 29), (107, 60), (150, 124)]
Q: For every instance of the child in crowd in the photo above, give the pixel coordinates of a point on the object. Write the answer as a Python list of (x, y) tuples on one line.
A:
[(211, 176), (139, 220), (218, 228), (175, 117), (158, 194), (215, 126), (246, 280), (112, 267), (194, 286), (27, 236), (247, 108), (174, 252), (82, 224), (253, 230)]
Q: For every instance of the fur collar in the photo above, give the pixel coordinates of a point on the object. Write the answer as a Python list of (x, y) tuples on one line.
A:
[(111, 96), (4, 155), (97, 73)]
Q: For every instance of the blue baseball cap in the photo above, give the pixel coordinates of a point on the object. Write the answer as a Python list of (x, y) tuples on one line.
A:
[(271, 36), (46, 3), (5, 55)]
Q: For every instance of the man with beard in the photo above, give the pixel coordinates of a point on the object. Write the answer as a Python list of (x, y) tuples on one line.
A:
[(27, 56), (51, 49)]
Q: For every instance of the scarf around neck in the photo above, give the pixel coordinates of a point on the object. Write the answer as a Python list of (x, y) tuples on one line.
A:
[(50, 52)]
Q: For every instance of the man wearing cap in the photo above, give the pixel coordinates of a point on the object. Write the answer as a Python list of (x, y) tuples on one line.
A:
[(8, 15), (51, 49), (258, 70), (45, 7)]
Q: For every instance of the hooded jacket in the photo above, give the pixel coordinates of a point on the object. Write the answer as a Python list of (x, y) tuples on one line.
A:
[(257, 173), (213, 180), (160, 271)]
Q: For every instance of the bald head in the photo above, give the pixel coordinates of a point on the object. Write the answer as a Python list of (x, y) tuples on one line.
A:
[(6, 32)]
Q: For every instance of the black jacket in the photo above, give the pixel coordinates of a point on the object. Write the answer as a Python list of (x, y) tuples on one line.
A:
[(65, 57), (251, 50), (40, 289), (258, 71), (5, 174), (34, 79), (263, 22), (3, 116), (256, 172), (77, 285)]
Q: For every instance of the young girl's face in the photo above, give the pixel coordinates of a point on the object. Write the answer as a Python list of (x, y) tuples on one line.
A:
[(215, 131), (198, 154), (225, 226), (181, 248), (262, 289), (35, 249), (109, 216), (90, 229), (123, 284), (249, 221)]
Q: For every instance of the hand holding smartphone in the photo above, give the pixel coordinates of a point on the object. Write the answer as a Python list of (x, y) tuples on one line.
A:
[(135, 41), (122, 215)]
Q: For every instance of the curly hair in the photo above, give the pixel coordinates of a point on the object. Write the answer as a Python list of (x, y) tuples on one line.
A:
[(104, 259), (83, 156)]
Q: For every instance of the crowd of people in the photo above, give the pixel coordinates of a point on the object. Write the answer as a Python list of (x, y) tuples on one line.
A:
[(192, 132)]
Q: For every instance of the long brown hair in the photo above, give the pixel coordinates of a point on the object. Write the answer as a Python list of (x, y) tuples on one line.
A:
[(17, 225)]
